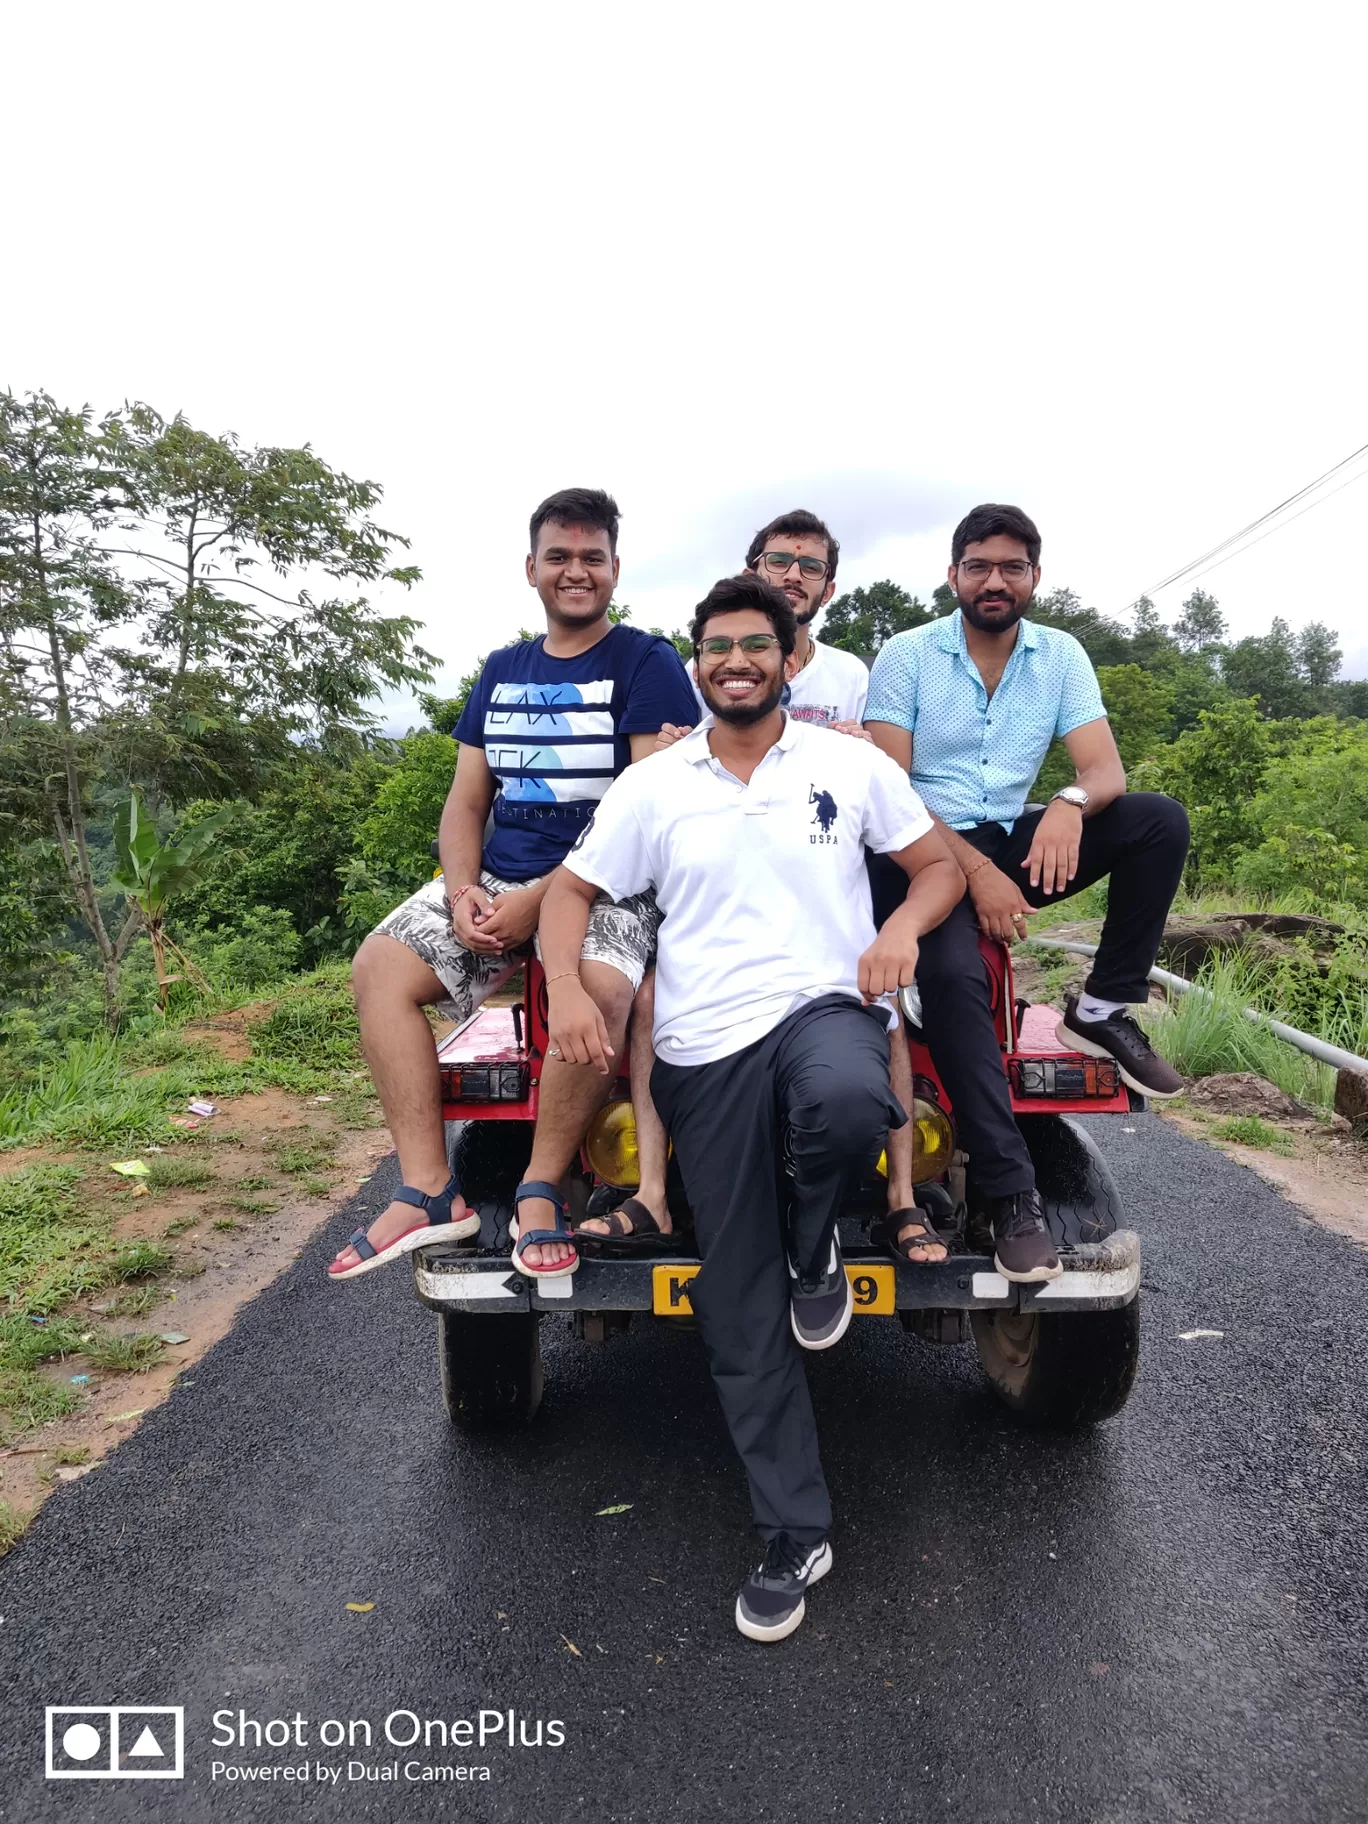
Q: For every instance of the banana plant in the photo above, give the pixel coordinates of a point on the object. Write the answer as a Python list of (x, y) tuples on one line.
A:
[(152, 872)]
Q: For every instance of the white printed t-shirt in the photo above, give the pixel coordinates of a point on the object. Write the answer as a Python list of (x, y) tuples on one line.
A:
[(831, 687), (762, 886)]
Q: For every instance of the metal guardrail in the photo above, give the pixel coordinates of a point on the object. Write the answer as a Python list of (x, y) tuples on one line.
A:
[(1304, 1041)]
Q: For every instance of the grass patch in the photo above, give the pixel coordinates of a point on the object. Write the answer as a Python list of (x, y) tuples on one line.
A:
[(51, 1250), (180, 1225), (301, 1153), (254, 1206), (125, 1354), (227, 1222), (71, 1455), (167, 1172), (23, 1344), (311, 1034), (139, 1259), (137, 1301), (1249, 1130), (28, 1399), (315, 1187), (13, 1521), (1201, 1037), (259, 1182)]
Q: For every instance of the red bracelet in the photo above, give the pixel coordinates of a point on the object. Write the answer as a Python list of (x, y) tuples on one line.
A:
[(453, 897)]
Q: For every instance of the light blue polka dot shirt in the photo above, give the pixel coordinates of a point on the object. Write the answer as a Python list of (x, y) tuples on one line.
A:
[(974, 761)]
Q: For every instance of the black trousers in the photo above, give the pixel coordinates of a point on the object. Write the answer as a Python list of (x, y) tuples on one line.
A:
[(1141, 840), (770, 1141)]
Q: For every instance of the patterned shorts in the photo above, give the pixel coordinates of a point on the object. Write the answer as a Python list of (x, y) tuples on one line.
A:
[(621, 933)]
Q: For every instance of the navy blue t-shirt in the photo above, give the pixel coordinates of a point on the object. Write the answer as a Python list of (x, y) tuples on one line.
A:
[(554, 733)]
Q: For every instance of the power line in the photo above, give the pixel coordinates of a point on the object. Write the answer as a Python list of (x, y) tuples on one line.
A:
[(1278, 528), (1236, 537)]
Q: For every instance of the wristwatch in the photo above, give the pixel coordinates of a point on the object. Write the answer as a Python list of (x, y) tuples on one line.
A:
[(1075, 795)]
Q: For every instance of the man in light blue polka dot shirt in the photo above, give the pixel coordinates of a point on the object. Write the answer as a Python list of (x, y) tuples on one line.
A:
[(968, 705)]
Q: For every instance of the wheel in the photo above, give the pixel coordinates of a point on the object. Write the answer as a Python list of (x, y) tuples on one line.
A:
[(1077, 1191), (491, 1368), (490, 1158), (1067, 1369)]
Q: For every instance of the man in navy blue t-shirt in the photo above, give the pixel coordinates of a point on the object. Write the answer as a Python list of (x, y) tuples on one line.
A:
[(548, 727)]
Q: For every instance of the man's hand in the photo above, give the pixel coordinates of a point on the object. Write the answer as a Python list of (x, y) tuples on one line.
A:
[(858, 729), (578, 1034), (889, 963), (998, 902), (468, 914), (1053, 859), (513, 919), (670, 732)]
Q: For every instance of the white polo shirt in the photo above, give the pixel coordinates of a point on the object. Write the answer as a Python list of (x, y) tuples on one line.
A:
[(831, 687), (762, 886)]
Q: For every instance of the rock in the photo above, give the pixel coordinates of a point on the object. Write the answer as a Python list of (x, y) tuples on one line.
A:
[(1241, 1092), (1189, 941), (1351, 1096)]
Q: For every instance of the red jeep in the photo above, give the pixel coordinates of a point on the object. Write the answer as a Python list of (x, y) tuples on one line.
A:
[(1062, 1353)]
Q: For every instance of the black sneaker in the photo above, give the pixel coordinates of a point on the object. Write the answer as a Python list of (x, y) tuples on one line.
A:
[(1023, 1249), (1120, 1037), (821, 1305), (773, 1599)]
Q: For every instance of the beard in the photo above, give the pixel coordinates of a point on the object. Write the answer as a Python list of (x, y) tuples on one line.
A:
[(1004, 613), (741, 715)]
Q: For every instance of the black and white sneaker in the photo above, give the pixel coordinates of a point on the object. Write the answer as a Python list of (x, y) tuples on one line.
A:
[(1023, 1249), (1120, 1038), (773, 1599), (821, 1305)]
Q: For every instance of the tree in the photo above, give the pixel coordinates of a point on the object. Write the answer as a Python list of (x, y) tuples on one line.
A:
[(1139, 707), (943, 600), (1267, 667), (1216, 770), (1103, 639), (1152, 646), (150, 630), (1318, 655), (151, 873), (1201, 625), (861, 621)]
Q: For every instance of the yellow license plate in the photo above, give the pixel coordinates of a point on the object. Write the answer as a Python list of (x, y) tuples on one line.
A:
[(873, 1288)]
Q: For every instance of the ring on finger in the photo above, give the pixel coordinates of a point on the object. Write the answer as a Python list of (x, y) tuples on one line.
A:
[(554, 1052)]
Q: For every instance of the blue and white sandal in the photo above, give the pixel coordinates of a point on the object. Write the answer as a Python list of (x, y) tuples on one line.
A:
[(435, 1226), (535, 1187)]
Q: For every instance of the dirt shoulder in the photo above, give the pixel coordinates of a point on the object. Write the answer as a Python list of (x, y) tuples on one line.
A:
[(272, 1168), (1324, 1174)]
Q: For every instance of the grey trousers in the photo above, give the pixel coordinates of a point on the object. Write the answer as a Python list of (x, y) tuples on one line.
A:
[(770, 1141)]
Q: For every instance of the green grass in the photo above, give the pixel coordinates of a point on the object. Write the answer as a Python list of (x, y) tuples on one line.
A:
[(180, 1225), (1249, 1130), (297, 1154), (253, 1206), (117, 1092), (140, 1259), (71, 1454), (315, 1187), (27, 1399), (1202, 1037), (226, 1222), (12, 1523), (137, 1301), (51, 1250), (173, 1172), (125, 1354), (261, 1181)]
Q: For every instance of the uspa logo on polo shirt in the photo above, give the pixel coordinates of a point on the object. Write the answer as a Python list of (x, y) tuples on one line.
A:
[(825, 815)]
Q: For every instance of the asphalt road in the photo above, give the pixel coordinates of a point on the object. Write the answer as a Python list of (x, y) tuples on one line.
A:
[(1163, 1620)]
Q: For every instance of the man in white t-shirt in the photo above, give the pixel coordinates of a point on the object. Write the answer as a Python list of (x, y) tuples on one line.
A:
[(770, 1036)]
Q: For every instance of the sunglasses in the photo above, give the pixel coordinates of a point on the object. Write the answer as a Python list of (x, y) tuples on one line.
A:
[(782, 561), (718, 647)]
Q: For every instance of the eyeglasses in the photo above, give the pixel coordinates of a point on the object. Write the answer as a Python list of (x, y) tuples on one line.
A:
[(752, 643), (1015, 570), (781, 561)]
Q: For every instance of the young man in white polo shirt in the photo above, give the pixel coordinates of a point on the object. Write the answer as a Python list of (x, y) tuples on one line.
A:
[(771, 1052)]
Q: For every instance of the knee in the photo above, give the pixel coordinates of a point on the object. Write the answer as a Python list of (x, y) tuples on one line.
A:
[(610, 990), (1160, 821), (845, 1114), (367, 971)]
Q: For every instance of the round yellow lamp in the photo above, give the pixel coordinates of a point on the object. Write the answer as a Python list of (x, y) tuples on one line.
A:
[(611, 1145), (933, 1142)]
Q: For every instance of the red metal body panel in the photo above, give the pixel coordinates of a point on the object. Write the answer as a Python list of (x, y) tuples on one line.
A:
[(491, 1036)]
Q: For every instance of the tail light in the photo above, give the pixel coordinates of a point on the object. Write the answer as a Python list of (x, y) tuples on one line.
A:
[(485, 1082), (1068, 1079)]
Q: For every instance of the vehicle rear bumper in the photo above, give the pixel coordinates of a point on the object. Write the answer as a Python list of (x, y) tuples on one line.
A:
[(1097, 1276)]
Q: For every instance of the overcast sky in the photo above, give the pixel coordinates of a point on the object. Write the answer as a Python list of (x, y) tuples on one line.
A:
[(1105, 262)]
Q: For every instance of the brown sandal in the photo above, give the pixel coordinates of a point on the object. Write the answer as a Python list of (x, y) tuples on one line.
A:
[(632, 1229), (923, 1236)]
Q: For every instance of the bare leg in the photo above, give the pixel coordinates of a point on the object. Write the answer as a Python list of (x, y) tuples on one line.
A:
[(570, 1096), (901, 1142), (652, 1149), (392, 986)]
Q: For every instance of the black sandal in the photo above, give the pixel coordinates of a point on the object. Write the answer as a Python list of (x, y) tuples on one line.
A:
[(924, 1237), (632, 1230)]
